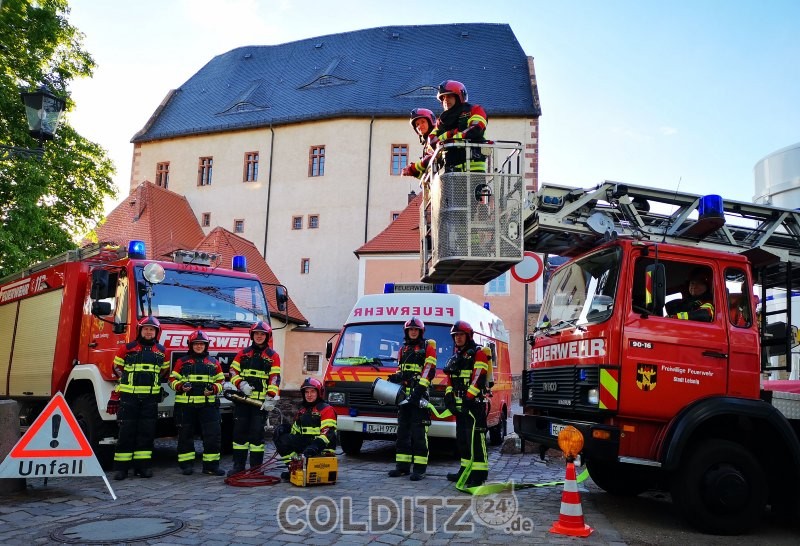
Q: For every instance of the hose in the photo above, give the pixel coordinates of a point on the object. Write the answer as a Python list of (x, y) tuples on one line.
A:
[(255, 476)]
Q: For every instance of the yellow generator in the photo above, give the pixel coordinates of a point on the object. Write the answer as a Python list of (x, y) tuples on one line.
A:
[(314, 471)]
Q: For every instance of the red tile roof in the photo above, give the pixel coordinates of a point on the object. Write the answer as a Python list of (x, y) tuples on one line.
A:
[(227, 245), (166, 222), (400, 237)]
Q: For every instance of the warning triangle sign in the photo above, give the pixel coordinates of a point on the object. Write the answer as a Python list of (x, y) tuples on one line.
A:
[(55, 433)]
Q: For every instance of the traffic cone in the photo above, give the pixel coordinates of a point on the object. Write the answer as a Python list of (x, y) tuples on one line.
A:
[(570, 521)]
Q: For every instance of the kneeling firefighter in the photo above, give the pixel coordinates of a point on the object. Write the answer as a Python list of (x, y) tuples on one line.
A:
[(467, 372), (417, 367), (197, 380), (314, 429)]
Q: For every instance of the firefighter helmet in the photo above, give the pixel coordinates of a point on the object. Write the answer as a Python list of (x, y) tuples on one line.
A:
[(452, 87), (414, 322), (700, 274), (149, 320), (422, 113), (199, 336), (313, 383), (462, 327), (261, 326)]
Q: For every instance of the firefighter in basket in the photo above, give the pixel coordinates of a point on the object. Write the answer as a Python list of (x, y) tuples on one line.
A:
[(467, 372), (141, 366), (416, 369), (256, 371), (460, 122), (422, 121), (313, 431), (197, 380)]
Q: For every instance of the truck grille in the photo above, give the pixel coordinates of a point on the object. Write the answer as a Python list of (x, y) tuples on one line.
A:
[(359, 396), (563, 387)]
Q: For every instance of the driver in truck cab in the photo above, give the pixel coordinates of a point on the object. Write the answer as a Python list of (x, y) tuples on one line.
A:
[(699, 304)]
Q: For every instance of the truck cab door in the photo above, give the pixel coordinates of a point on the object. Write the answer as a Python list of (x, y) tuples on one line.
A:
[(108, 330)]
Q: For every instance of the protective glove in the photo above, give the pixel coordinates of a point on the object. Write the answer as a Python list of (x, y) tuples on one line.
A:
[(450, 365), (186, 387), (113, 403), (409, 170), (246, 388), (209, 391), (416, 395), (269, 404), (310, 451), (450, 402), (395, 378)]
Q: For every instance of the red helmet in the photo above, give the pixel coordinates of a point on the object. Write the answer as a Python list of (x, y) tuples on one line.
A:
[(149, 320), (452, 87), (261, 326), (199, 336), (414, 322), (462, 327), (313, 383), (422, 113)]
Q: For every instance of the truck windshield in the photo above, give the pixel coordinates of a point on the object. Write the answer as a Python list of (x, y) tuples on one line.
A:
[(582, 291), (196, 298), (379, 344)]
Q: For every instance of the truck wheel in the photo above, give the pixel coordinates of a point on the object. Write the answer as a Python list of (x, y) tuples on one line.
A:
[(351, 442), (720, 488), (498, 432), (84, 407), (618, 479)]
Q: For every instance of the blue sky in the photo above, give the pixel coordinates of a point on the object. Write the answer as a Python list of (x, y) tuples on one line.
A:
[(642, 91)]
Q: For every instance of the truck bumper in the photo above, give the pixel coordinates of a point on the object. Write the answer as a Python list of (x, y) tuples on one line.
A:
[(367, 425), (544, 430)]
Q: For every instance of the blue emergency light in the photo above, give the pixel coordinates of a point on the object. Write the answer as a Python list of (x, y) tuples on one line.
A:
[(711, 206), (137, 250), (487, 306), (239, 263)]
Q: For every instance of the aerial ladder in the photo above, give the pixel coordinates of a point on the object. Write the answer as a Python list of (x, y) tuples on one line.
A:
[(567, 221)]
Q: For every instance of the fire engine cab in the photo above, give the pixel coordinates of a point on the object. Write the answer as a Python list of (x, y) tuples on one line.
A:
[(63, 320)]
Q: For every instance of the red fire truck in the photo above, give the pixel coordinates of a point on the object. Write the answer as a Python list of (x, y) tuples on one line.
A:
[(62, 321)]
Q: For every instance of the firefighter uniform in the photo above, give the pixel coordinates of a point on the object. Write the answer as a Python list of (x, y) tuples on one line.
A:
[(467, 372), (313, 431), (418, 168), (699, 305), (417, 367), (258, 367), (141, 366), (464, 122), (197, 379)]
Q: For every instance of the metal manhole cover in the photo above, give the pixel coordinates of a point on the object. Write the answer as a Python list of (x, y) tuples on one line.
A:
[(115, 529)]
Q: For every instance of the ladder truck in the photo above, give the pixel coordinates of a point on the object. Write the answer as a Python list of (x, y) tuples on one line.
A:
[(664, 403)]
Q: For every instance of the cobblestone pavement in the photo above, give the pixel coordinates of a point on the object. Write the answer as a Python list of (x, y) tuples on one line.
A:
[(213, 513)]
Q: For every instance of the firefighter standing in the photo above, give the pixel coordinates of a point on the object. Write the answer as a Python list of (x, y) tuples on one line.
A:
[(256, 371), (197, 379), (467, 372), (314, 429), (417, 367), (699, 305), (141, 365), (460, 121), (422, 121)]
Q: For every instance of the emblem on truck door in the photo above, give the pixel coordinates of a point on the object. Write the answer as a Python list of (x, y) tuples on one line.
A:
[(646, 375)]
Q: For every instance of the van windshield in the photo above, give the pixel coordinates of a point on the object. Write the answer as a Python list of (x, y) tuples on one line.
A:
[(583, 291), (379, 344)]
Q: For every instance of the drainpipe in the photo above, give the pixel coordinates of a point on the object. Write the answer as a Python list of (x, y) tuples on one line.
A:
[(369, 172), (269, 187)]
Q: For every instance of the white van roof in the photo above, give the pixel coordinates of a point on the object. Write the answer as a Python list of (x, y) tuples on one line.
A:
[(431, 308)]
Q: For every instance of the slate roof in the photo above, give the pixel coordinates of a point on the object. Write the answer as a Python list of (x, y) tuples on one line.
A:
[(385, 71), (399, 237), (166, 222)]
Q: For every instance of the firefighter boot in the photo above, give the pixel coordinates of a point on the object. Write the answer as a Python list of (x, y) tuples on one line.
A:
[(187, 470), (454, 476), (121, 474), (400, 470), (419, 472), (145, 472), (476, 478), (285, 475), (213, 470), (239, 458), (256, 459)]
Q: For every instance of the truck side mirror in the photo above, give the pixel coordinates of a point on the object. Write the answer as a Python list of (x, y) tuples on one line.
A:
[(328, 350), (100, 308), (100, 286), (281, 297), (655, 288), (119, 328)]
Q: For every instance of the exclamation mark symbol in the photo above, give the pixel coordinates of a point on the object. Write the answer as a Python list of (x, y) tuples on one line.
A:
[(56, 425)]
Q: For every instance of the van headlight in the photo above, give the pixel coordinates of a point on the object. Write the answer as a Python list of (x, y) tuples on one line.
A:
[(593, 396), (336, 398)]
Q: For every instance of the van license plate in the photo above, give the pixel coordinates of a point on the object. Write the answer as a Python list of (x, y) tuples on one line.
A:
[(556, 429), (380, 428)]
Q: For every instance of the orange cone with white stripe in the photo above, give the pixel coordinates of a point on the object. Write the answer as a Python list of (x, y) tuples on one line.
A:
[(570, 521)]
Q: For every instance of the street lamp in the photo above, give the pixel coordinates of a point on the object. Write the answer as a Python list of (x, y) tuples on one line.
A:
[(43, 110)]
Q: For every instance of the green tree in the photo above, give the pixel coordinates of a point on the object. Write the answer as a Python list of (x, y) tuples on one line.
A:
[(45, 204)]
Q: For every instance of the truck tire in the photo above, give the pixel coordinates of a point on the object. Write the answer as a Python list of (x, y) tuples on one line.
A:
[(720, 488), (498, 432), (84, 407), (351, 442), (618, 479)]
